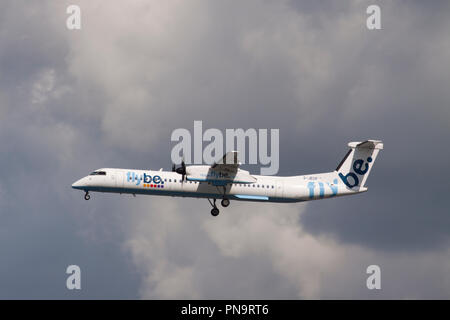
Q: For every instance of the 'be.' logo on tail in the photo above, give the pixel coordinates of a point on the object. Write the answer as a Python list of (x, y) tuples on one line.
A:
[(356, 165)]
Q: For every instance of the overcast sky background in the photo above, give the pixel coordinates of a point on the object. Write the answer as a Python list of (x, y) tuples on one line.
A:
[(110, 95)]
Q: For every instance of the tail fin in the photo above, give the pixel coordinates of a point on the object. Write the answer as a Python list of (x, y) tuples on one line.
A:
[(356, 165)]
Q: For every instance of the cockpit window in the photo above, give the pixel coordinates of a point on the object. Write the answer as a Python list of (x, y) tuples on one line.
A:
[(98, 173)]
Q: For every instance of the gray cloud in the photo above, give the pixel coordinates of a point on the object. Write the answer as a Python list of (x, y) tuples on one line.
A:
[(111, 94)]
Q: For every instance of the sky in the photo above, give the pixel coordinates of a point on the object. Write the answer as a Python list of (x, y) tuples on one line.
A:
[(110, 95)]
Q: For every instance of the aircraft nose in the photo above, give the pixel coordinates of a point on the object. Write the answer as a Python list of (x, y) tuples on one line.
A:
[(78, 184)]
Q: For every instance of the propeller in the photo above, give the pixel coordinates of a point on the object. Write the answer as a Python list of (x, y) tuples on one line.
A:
[(180, 170)]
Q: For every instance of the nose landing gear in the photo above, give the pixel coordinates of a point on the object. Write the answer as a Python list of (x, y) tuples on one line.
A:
[(87, 196)]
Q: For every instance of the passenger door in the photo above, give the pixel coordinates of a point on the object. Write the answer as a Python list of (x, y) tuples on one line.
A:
[(279, 189)]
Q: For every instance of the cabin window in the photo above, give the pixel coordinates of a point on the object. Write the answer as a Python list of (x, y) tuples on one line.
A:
[(165, 180), (272, 187), (174, 180), (170, 180)]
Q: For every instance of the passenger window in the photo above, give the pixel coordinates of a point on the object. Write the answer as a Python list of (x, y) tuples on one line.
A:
[(170, 180)]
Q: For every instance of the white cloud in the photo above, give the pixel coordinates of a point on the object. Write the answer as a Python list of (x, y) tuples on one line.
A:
[(183, 252), (145, 66), (273, 232), (43, 86), (162, 62)]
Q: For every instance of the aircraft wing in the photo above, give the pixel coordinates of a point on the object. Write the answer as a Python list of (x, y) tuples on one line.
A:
[(228, 163), (225, 170)]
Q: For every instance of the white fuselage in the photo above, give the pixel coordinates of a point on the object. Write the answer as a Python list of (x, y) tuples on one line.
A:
[(168, 183)]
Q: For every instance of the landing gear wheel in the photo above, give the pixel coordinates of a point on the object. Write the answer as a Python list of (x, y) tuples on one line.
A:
[(225, 203), (87, 196), (215, 212)]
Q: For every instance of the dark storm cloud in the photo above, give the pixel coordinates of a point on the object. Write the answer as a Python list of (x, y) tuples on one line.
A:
[(40, 232), (407, 107), (111, 94)]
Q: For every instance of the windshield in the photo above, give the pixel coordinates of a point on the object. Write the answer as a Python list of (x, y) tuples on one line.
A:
[(98, 173)]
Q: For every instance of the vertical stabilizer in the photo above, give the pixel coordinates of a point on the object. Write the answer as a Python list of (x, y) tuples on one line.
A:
[(357, 164)]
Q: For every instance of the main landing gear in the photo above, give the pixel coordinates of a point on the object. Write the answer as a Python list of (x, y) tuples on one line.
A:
[(215, 211), (225, 203), (87, 196)]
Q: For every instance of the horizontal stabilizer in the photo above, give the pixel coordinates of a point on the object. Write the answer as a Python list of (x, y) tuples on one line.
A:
[(371, 144)]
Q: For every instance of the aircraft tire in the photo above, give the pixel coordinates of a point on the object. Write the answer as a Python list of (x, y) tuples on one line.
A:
[(87, 196), (225, 203), (214, 212)]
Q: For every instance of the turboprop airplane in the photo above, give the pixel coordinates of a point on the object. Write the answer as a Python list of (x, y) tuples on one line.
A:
[(226, 181)]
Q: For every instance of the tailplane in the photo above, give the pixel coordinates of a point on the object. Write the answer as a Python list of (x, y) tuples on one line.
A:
[(356, 165)]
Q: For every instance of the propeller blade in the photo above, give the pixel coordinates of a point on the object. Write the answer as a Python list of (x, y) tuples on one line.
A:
[(181, 170)]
